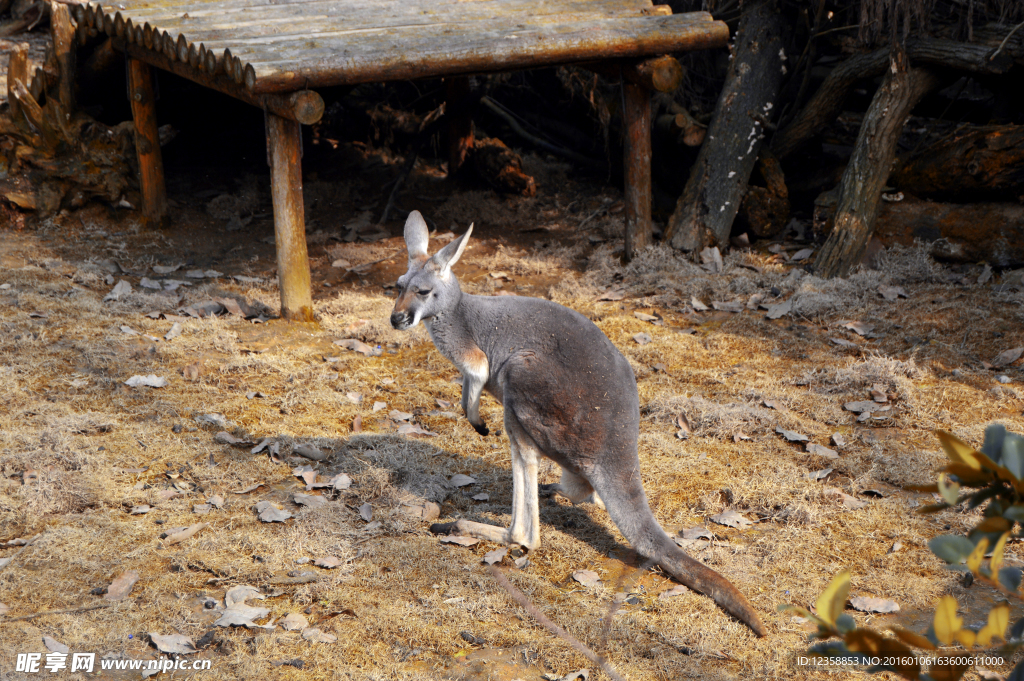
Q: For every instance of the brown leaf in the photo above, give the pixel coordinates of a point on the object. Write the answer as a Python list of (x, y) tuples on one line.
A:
[(586, 577), (460, 540), (616, 294), (121, 586), (187, 533), (859, 328), (366, 511), (865, 604), (642, 338), (250, 488), (357, 424), (293, 621), (697, 305), (414, 429), (820, 450), (1007, 357), (328, 562), (495, 556)]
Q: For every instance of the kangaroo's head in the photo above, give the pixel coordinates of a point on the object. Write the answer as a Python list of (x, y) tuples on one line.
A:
[(429, 288)]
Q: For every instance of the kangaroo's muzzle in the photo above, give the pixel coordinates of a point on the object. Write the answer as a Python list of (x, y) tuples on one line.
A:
[(401, 320)]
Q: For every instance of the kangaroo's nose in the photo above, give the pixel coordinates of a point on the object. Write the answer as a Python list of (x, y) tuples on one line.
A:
[(399, 320)]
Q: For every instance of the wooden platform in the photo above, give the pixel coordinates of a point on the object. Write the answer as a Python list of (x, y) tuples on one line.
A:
[(273, 54)]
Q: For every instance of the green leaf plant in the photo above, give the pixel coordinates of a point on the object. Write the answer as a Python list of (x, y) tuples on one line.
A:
[(993, 477)]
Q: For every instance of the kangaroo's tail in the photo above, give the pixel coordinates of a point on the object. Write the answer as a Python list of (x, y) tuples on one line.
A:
[(627, 505)]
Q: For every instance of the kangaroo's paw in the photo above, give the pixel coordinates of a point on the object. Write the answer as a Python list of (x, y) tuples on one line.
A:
[(481, 428), (549, 490)]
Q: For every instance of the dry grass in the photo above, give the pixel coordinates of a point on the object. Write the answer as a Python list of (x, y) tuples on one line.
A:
[(73, 439)]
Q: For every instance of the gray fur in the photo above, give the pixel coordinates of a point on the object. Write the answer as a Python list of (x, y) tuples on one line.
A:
[(568, 394)]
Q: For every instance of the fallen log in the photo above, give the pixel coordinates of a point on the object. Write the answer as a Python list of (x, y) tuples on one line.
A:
[(966, 233), (718, 179), (860, 190), (827, 102), (969, 164)]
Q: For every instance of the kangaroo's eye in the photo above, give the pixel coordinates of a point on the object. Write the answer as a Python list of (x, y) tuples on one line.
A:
[(423, 293)]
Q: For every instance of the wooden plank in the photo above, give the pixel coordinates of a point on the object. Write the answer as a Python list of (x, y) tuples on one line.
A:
[(284, 140), (383, 10), (303, 106), (433, 51), (147, 142), (637, 164), (282, 23)]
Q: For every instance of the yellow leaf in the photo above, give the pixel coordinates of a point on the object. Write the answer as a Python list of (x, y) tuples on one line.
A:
[(950, 491), (970, 477), (832, 600), (993, 525), (958, 451), (914, 639), (873, 644), (966, 637), (974, 560), (946, 622), (997, 554), (998, 620)]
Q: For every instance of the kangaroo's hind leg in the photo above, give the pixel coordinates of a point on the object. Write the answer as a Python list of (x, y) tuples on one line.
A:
[(525, 527)]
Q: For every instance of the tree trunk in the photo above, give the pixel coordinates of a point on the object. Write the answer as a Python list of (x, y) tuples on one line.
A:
[(970, 163), (860, 190), (718, 180)]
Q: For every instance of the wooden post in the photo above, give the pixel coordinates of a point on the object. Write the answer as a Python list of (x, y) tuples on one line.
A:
[(284, 141), (147, 141), (637, 163), (17, 71), (63, 34), (460, 122)]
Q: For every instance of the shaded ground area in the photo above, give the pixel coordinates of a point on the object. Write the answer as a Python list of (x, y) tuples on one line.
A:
[(81, 452)]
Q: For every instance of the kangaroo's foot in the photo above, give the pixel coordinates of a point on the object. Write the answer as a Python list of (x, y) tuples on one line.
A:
[(549, 490), (482, 531), (480, 428)]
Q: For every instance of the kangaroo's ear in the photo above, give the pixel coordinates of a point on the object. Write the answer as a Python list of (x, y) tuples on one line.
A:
[(450, 254), (417, 236)]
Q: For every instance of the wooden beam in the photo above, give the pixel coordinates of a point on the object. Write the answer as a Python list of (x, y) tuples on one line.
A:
[(147, 141), (663, 74), (303, 106), (284, 141), (637, 163), (460, 122)]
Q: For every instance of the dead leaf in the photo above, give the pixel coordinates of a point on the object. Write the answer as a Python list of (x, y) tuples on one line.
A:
[(613, 294), (357, 424), (340, 481), (444, 404), (309, 451), (366, 511), (269, 513), (377, 406), (736, 437), (354, 398), (216, 501), (308, 500), (677, 590), (586, 577), (731, 518), (844, 343), (892, 292), (779, 310), (1007, 357), (460, 540), (859, 328), (317, 636), (250, 488), (240, 594), (226, 438), (357, 346), (201, 509), (838, 439), (328, 563), (190, 372), (55, 646), (790, 435), (802, 254), (495, 556), (460, 480), (772, 404), (642, 338), (293, 621), (850, 502), (730, 306), (878, 394), (684, 426), (660, 366), (187, 533), (173, 643), (697, 305), (307, 473), (501, 275), (483, 496), (122, 289), (711, 259), (152, 380), (646, 317), (241, 615), (866, 604), (140, 510), (396, 415), (121, 586), (818, 475), (414, 429), (820, 450), (865, 406)]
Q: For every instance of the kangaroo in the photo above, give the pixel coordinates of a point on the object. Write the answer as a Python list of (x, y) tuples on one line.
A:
[(568, 394)]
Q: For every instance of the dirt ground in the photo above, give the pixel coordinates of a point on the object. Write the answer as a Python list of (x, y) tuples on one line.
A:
[(95, 471)]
